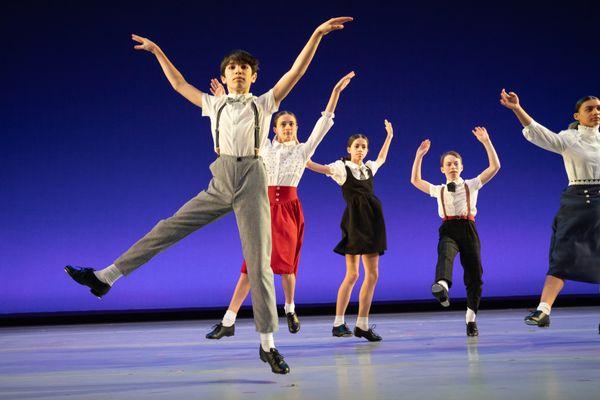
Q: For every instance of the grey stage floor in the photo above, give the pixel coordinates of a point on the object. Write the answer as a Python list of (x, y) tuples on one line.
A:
[(423, 356)]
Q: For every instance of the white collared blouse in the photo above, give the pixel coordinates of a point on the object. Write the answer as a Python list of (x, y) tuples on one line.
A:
[(338, 170), (286, 162), (580, 149), (236, 127), (456, 202)]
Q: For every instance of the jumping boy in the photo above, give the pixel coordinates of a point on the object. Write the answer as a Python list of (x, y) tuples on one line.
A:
[(239, 124), (457, 201)]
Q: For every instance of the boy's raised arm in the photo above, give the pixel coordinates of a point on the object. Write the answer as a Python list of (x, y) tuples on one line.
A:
[(175, 78), (290, 78), (482, 135), (415, 176)]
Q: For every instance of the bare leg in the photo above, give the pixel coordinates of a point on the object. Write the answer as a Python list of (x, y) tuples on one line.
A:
[(288, 281), (371, 265), (345, 290), (240, 293), (552, 288)]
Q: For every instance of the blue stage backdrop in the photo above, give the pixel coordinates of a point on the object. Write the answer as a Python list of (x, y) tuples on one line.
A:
[(97, 147)]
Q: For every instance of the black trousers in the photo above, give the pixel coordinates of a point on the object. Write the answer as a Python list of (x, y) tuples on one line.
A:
[(460, 236)]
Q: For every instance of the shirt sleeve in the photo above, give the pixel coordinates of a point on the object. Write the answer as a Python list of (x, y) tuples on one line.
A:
[(267, 102), (544, 138), (338, 172), (321, 128), (475, 183), (208, 105), (373, 165), (435, 190)]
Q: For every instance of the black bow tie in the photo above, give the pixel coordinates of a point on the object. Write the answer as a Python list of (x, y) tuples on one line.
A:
[(451, 187)]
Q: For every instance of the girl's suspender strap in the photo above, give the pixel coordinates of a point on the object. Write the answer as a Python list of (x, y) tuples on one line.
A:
[(256, 129)]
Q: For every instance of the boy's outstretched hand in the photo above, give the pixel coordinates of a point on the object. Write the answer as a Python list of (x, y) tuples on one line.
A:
[(332, 25), (145, 44), (481, 134), (423, 148)]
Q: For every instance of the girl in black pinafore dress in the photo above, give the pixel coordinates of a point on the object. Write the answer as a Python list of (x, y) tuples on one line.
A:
[(363, 229)]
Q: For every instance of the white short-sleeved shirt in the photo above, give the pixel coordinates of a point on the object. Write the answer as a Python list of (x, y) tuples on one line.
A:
[(456, 202), (338, 170), (236, 126), (580, 149), (285, 162)]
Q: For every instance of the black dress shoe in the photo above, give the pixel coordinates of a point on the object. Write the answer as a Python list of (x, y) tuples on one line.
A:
[(472, 329), (293, 322), (275, 360), (341, 331), (538, 318), (370, 335), (440, 293), (86, 277), (219, 331)]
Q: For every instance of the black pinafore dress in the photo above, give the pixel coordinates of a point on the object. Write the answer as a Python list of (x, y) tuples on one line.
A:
[(363, 227)]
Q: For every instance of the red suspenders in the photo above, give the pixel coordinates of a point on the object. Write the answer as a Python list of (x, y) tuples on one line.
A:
[(468, 216)]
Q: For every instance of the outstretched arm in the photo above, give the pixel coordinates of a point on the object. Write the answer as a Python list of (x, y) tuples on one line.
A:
[(386, 144), (534, 132), (326, 121), (510, 100), (175, 78), (415, 176), (290, 78), (337, 89), (482, 135), (316, 167)]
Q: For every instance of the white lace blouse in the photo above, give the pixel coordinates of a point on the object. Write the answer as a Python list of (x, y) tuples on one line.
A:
[(285, 162), (580, 149)]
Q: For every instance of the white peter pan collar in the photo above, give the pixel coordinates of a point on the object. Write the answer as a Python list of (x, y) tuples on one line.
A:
[(457, 182), (587, 130)]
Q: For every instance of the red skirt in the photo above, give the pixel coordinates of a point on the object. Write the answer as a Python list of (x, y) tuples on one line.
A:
[(287, 230)]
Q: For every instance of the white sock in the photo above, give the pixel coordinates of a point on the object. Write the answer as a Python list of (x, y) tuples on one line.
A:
[(339, 320), (229, 319), (363, 323), (443, 283), (470, 317), (109, 275), (267, 342), (289, 308), (545, 308)]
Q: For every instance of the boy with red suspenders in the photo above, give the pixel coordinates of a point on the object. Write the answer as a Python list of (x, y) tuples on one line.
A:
[(457, 202)]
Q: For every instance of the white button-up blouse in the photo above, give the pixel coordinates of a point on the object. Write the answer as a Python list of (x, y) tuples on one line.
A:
[(580, 149), (285, 162)]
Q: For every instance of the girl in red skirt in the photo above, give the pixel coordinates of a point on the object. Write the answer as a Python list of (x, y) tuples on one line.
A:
[(285, 160)]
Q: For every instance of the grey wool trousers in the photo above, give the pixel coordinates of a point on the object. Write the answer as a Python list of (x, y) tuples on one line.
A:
[(238, 184)]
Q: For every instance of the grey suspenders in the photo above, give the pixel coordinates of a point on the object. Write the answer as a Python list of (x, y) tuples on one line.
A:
[(256, 129)]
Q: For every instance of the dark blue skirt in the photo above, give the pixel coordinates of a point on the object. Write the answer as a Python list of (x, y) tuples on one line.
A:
[(575, 243)]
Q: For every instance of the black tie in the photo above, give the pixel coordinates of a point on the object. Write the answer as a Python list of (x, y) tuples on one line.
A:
[(451, 187)]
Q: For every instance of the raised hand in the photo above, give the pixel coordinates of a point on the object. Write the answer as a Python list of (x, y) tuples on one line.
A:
[(481, 134), (509, 100), (423, 148), (145, 44), (389, 128), (216, 88), (342, 83), (332, 25)]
